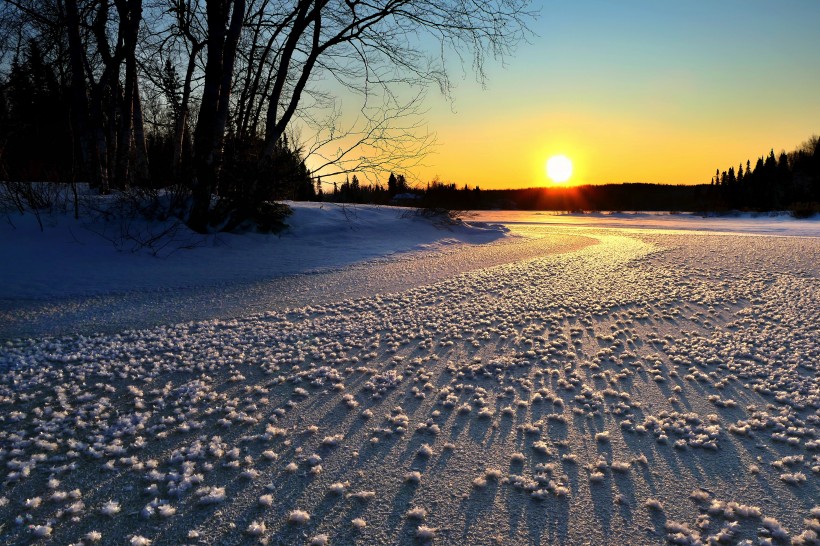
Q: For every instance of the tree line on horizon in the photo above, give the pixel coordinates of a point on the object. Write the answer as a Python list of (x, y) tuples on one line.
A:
[(438, 195), (788, 182)]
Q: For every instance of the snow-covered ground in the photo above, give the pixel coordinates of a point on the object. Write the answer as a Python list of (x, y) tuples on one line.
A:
[(115, 256), (569, 385)]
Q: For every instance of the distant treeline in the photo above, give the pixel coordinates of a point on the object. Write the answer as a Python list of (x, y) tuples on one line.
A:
[(607, 197), (788, 182), (353, 191), (589, 197), (578, 198)]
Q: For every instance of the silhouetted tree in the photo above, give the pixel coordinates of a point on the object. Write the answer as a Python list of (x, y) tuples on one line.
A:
[(224, 20), (391, 185), (35, 136), (787, 180)]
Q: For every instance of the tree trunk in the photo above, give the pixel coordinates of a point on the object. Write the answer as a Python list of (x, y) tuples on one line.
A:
[(275, 125), (79, 93), (272, 122), (142, 172), (130, 14), (100, 148), (113, 128), (182, 136), (245, 91), (210, 129), (229, 58), (204, 161), (125, 140)]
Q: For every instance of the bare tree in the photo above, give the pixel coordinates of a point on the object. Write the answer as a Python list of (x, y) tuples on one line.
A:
[(388, 136), (370, 48), (79, 91), (224, 25), (130, 15), (188, 25)]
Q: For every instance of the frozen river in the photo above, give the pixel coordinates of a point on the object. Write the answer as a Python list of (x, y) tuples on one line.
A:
[(562, 385)]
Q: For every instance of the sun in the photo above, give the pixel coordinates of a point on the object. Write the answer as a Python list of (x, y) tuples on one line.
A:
[(559, 168)]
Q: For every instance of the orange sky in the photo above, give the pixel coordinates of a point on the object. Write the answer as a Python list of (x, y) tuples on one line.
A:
[(511, 149)]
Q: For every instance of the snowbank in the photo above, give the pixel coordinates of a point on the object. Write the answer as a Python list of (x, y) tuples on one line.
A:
[(70, 258)]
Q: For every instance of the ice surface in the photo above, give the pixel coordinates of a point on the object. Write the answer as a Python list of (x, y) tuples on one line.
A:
[(343, 250), (775, 223)]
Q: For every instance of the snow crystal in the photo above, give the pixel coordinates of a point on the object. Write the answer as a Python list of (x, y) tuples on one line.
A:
[(417, 513), (426, 533), (298, 517), (256, 528), (41, 531), (110, 508), (654, 504)]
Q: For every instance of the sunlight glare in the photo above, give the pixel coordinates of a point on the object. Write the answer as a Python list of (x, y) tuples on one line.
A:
[(559, 168)]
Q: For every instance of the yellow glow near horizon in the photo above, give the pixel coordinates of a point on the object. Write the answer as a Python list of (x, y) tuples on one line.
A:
[(559, 168), (605, 146)]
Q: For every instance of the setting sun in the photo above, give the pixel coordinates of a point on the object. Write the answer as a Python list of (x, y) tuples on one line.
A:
[(559, 168)]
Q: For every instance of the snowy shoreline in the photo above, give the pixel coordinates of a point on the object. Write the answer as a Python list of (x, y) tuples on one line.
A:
[(95, 258), (101, 257), (109, 313), (330, 253)]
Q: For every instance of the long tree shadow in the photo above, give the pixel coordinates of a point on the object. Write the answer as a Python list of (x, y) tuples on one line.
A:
[(479, 429), (549, 516), (504, 426), (479, 503), (460, 422), (626, 490), (602, 502)]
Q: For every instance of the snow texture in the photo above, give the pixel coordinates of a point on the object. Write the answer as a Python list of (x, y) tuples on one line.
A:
[(567, 385)]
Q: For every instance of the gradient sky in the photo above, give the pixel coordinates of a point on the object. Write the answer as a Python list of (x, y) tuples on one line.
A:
[(636, 91)]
